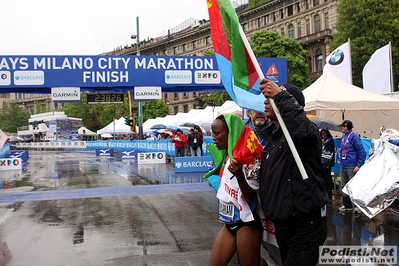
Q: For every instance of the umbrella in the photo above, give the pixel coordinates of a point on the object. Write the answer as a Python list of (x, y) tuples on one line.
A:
[(106, 136), (188, 124), (327, 124), (172, 128), (166, 131), (158, 126)]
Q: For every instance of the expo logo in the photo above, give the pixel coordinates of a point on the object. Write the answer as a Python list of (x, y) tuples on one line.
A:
[(9, 162)]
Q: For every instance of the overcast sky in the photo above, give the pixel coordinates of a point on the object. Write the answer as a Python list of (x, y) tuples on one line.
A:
[(87, 27)]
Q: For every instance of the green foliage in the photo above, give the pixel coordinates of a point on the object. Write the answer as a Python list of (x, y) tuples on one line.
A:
[(209, 52), (155, 109), (12, 117), (273, 44), (256, 3), (369, 24), (96, 116)]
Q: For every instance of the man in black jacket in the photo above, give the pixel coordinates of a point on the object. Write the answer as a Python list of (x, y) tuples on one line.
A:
[(195, 140), (295, 206)]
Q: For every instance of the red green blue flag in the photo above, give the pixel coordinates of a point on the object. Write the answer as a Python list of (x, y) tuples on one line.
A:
[(237, 70)]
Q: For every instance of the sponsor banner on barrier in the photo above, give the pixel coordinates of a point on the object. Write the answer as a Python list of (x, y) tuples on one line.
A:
[(193, 164), (23, 155), (10, 164), (151, 157), (128, 154), (11, 175), (105, 152)]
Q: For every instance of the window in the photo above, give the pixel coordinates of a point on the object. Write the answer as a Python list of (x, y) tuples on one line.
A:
[(175, 50), (165, 52), (326, 23), (291, 32), (185, 95), (298, 7), (319, 60), (208, 40), (299, 30), (274, 17), (175, 96), (282, 32), (258, 22), (290, 10), (266, 19), (175, 109), (195, 45), (317, 26), (308, 27), (185, 108), (245, 27), (185, 47), (281, 13), (316, 2)]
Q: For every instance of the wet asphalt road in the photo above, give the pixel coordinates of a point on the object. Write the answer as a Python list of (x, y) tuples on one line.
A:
[(88, 210)]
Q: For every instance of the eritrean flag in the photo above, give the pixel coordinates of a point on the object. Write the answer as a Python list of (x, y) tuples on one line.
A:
[(237, 70), (243, 144)]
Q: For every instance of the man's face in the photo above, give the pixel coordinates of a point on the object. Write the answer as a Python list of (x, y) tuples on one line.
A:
[(258, 119), (344, 128)]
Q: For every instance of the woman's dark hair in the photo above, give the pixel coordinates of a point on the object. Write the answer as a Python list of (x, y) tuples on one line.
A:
[(328, 134), (223, 120)]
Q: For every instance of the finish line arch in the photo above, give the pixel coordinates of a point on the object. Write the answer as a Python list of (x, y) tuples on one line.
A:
[(41, 74)]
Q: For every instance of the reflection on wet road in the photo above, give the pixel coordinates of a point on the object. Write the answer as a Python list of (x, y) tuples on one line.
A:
[(88, 210)]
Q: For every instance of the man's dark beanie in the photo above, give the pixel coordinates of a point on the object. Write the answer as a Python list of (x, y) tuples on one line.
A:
[(296, 92)]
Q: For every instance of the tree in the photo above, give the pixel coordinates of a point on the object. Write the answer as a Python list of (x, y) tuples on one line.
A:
[(155, 109), (96, 116), (273, 44), (369, 24), (13, 117)]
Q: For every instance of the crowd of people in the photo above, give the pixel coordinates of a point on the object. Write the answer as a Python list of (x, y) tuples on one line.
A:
[(293, 201)]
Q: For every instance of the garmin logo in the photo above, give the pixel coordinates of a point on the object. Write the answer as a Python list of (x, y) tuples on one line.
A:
[(65, 94), (147, 93)]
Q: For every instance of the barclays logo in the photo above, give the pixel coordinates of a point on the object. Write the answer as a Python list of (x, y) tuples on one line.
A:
[(178, 164)]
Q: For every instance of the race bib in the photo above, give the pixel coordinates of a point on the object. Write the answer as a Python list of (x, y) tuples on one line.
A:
[(226, 212)]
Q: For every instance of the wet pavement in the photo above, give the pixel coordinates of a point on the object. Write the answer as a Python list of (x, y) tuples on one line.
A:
[(78, 209)]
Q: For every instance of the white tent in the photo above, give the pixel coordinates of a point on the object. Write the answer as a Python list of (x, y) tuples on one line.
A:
[(232, 108), (331, 98), (116, 126), (86, 132)]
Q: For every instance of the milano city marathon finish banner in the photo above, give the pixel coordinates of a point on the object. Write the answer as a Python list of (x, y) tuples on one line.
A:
[(38, 74)]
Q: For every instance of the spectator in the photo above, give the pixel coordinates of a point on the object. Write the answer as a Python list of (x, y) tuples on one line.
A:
[(258, 122), (295, 206), (328, 159), (179, 140), (195, 140), (352, 157)]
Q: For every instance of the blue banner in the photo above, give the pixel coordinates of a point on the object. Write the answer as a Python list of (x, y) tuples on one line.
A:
[(128, 154), (105, 152), (193, 164), (172, 73), (23, 155)]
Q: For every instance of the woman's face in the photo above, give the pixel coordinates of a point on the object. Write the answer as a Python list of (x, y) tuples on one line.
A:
[(219, 134)]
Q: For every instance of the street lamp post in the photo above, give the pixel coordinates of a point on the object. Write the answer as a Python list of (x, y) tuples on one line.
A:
[(140, 107), (213, 104)]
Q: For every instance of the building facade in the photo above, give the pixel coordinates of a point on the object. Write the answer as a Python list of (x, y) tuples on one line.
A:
[(310, 22)]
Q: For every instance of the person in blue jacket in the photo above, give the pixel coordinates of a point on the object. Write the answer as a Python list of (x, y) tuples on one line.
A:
[(352, 156)]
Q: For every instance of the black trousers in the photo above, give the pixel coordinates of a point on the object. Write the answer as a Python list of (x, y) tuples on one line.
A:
[(300, 238)]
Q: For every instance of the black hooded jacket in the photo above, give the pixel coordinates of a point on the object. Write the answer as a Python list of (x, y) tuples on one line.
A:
[(284, 194)]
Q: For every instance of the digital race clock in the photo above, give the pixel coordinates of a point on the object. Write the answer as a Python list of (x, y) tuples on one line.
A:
[(104, 98)]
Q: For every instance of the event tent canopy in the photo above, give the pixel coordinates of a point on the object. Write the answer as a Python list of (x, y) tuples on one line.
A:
[(333, 99), (117, 126), (83, 131)]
